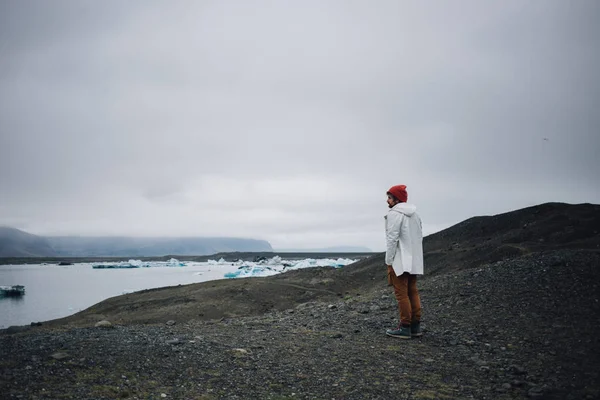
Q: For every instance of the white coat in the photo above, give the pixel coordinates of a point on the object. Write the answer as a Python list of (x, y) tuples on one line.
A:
[(404, 238)]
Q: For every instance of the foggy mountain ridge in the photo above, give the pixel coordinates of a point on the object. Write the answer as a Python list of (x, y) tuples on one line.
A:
[(17, 243)]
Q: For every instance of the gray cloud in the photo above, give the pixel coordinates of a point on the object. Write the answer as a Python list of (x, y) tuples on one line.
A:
[(288, 122)]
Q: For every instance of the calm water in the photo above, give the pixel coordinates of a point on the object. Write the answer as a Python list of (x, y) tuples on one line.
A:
[(53, 291)]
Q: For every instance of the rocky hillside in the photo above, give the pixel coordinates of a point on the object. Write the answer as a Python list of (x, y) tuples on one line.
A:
[(488, 239)]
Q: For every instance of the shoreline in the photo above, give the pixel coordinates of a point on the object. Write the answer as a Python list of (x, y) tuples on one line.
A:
[(227, 256)]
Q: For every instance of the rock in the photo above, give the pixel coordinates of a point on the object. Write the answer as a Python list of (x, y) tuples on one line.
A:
[(506, 386), (517, 370), (241, 352), (332, 306), (484, 368), (336, 336), (163, 395), (170, 323), (536, 391), (60, 355), (36, 324), (375, 308), (174, 342), (429, 360), (103, 324)]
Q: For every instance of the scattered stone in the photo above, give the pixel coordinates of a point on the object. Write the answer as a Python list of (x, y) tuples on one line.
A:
[(163, 395), (170, 323), (240, 351), (375, 308), (506, 386), (517, 370), (174, 342), (103, 324), (60, 355), (332, 306), (336, 336), (536, 391)]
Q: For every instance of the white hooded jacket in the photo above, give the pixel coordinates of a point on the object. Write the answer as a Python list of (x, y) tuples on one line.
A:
[(404, 237)]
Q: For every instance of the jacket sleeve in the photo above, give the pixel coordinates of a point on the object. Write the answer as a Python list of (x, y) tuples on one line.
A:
[(392, 234)]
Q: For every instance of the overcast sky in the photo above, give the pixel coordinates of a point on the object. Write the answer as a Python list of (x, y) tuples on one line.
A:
[(288, 121)]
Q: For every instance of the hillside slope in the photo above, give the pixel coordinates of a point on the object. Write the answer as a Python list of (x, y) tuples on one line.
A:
[(488, 239)]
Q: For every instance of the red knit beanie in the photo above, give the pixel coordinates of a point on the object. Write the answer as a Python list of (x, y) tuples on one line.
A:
[(399, 192)]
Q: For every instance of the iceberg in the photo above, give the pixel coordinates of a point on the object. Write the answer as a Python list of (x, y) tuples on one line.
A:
[(114, 266), (173, 262), (277, 265), (220, 262), (12, 291)]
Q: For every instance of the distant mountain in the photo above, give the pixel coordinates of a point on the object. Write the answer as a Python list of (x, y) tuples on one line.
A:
[(335, 249), (16, 243)]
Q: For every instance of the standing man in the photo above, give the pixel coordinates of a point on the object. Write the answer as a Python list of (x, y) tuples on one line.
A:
[(404, 260)]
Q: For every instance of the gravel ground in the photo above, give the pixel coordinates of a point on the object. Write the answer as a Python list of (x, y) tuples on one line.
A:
[(521, 328)]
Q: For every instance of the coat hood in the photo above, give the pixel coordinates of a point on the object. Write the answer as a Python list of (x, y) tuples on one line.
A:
[(405, 208)]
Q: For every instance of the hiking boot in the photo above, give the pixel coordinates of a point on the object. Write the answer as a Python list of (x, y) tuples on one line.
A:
[(415, 329), (402, 332)]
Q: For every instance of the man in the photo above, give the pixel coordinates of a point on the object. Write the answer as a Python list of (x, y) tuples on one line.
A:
[(404, 260)]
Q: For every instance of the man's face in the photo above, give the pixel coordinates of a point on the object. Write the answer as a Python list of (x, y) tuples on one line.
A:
[(391, 201)]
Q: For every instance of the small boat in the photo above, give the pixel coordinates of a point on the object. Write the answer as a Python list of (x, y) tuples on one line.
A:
[(12, 291)]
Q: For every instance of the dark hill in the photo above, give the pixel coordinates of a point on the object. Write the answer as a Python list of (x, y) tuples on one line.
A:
[(488, 239)]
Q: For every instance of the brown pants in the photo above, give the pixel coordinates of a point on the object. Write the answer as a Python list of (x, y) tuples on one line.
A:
[(407, 294)]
